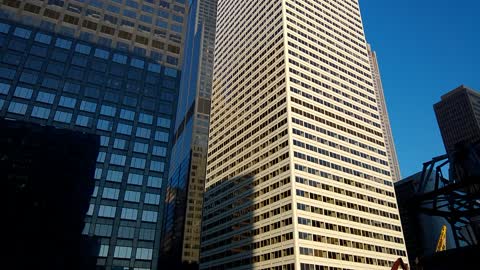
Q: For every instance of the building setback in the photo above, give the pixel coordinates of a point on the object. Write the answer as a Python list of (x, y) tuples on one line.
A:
[(185, 190), (47, 181), (383, 113), (127, 100), (297, 173)]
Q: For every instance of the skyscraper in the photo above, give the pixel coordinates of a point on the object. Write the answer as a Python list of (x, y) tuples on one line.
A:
[(458, 116), (185, 189), (298, 175), (126, 99), (383, 113)]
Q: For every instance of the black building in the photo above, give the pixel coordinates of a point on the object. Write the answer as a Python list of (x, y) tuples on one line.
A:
[(47, 181)]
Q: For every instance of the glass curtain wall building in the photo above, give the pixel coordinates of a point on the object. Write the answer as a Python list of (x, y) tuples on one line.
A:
[(297, 175), (128, 100), (151, 28), (184, 199)]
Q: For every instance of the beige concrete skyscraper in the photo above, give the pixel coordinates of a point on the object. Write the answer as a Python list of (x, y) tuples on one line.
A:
[(383, 113), (297, 176)]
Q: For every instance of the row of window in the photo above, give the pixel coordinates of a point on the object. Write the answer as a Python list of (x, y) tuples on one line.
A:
[(135, 179), (107, 211), (126, 252), (106, 230)]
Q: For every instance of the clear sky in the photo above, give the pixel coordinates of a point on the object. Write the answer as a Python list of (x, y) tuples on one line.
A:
[(425, 48)]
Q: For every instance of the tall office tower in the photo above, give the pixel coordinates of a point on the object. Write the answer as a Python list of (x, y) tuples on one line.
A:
[(458, 116), (184, 199), (383, 113), (126, 99), (151, 28), (297, 174)]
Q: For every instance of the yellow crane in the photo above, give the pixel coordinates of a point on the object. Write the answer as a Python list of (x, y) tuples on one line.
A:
[(442, 240)]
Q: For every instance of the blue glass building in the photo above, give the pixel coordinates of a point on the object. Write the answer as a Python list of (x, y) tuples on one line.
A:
[(126, 99)]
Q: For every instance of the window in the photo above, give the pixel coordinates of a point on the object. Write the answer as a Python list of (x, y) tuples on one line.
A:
[(119, 58), (135, 179), (118, 159), (43, 38), (126, 232), (83, 121), (64, 117), (162, 122), (91, 207), (4, 88), (157, 166), (138, 163), (143, 133), (103, 230), (45, 97), (23, 92), (104, 140), (119, 144), (171, 72), (155, 182), (4, 28), (140, 147), (101, 53), (110, 193), (159, 151), (123, 252), (107, 211), (40, 112), (50, 83), (132, 196), (144, 254), (103, 252), (7, 73), (114, 176), (124, 129), (83, 49), (63, 43), (147, 234), (161, 136), (108, 110), (71, 88), (137, 63), (154, 68), (101, 157), (88, 106), (129, 214), (152, 199), (145, 118), (67, 102), (127, 115), (104, 125), (22, 33), (149, 216), (98, 173)]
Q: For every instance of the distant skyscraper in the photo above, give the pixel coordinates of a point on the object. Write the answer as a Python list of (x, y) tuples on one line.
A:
[(298, 175), (383, 113), (151, 28), (458, 116), (127, 100), (184, 199)]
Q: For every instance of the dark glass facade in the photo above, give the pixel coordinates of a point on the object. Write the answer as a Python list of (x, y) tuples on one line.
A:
[(127, 100), (47, 181), (186, 184)]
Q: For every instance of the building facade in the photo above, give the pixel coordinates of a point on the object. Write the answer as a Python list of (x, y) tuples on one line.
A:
[(185, 190), (127, 100), (297, 173), (383, 113), (458, 116), (150, 28)]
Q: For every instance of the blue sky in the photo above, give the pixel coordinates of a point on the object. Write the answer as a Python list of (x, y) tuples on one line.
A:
[(425, 48)]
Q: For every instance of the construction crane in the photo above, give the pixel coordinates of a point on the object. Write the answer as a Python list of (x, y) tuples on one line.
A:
[(442, 240)]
